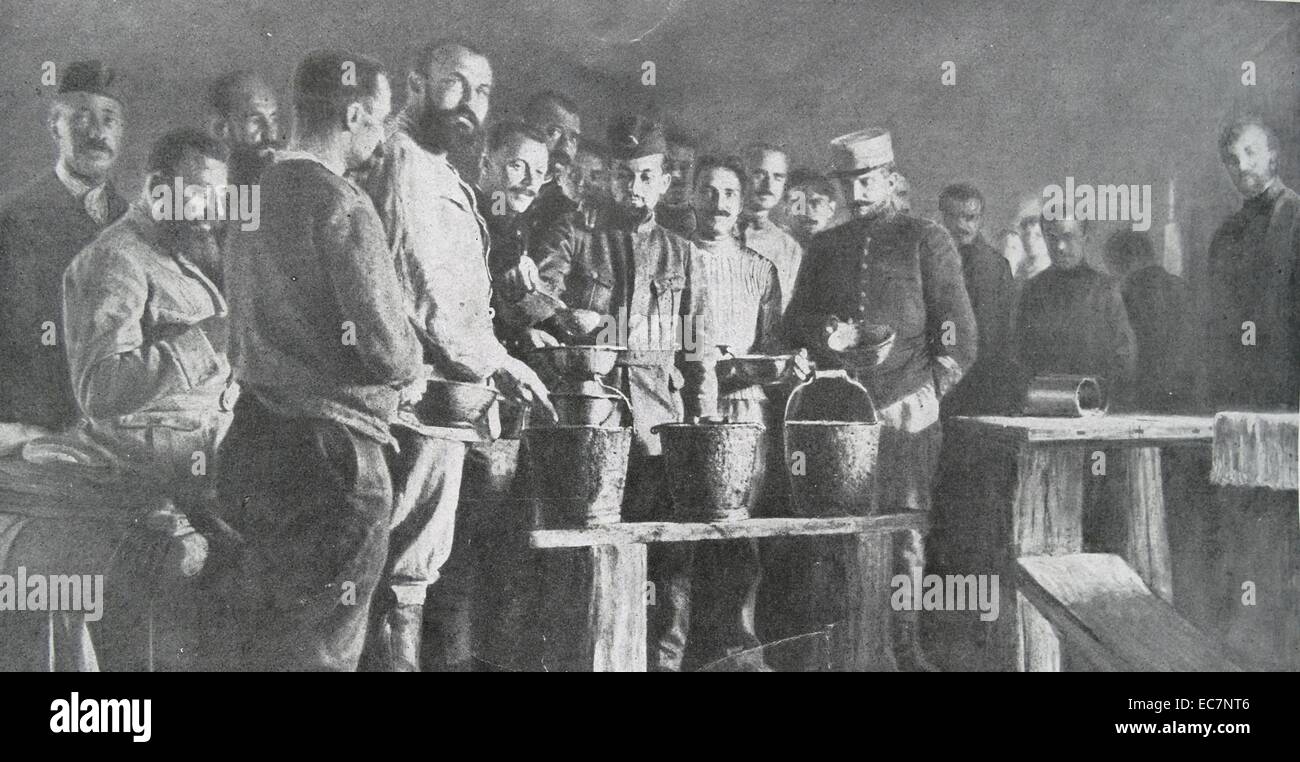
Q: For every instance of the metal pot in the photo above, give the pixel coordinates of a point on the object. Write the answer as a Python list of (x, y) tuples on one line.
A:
[(832, 467), (832, 456), (711, 468), (454, 403), (754, 369), (577, 474), (580, 360)]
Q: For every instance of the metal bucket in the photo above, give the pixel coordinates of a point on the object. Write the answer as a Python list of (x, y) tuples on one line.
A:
[(832, 467), (711, 468), (832, 463), (577, 474)]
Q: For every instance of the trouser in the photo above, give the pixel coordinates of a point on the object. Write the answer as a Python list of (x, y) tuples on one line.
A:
[(312, 499), (426, 478), (718, 582)]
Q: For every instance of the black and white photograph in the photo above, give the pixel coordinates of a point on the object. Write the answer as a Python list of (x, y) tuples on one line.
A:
[(650, 336)]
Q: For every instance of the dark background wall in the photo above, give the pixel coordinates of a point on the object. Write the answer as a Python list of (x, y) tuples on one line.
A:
[(1105, 90)]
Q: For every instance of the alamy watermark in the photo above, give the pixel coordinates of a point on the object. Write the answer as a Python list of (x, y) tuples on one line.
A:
[(951, 592), (213, 203), (53, 592), (1103, 203)]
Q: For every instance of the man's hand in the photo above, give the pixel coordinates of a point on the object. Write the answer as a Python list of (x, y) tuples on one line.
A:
[(801, 366), (518, 382), (536, 338), (578, 322), (523, 276), (841, 335), (412, 393)]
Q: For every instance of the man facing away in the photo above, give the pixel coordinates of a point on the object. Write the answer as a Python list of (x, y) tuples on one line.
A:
[(324, 347)]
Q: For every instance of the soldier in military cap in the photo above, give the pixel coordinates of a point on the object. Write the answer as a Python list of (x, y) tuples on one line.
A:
[(42, 227), (887, 268), (627, 271)]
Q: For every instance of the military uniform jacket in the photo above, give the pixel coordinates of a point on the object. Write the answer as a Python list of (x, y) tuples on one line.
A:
[(894, 270), (641, 278)]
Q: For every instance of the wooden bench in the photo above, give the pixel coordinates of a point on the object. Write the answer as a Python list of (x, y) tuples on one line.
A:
[(617, 608), (1096, 605)]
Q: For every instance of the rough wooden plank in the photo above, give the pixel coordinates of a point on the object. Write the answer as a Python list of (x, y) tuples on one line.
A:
[(1256, 450), (617, 610), (1038, 648), (1097, 602), (1045, 517), (1147, 541), (867, 567), (669, 531), (1131, 429)]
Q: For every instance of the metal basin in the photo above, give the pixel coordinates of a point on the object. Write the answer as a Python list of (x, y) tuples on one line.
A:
[(454, 403), (580, 360), (754, 369)]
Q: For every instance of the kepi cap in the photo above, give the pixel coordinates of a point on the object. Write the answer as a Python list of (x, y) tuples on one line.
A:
[(861, 151)]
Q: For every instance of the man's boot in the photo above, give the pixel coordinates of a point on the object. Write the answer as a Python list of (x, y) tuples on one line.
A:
[(395, 639)]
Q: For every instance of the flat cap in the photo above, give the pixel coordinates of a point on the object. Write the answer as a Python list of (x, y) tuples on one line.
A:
[(90, 77), (634, 136)]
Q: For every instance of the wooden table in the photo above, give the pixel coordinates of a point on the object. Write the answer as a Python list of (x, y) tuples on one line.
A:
[(1019, 492), (617, 608)]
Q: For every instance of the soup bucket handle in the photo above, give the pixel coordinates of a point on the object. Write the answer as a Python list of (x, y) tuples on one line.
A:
[(791, 406)]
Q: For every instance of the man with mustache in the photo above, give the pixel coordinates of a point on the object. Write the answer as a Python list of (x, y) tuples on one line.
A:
[(769, 168), (627, 277), (1252, 278), (245, 115), (42, 228), (511, 175), (987, 389), (888, 268), (442, 245), (744, 315), (557, 117)]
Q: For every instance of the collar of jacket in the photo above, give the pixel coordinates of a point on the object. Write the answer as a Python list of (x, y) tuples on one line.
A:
[(149, 231), (1264, 200), (633, 223)]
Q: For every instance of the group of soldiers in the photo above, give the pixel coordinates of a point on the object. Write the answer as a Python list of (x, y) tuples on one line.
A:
[(295, 356)]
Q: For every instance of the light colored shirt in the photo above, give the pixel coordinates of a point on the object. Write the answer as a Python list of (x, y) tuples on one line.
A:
[(440, 244), (772, 241)]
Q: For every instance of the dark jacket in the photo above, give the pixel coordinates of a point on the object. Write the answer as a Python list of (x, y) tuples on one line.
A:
[(988, 388), (317, 272), (640, 276), (42, 227), (1253, 277), (1074, 321), (895, 270), (1157, 307)]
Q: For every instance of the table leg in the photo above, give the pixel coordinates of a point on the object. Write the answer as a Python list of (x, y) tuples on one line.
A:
[(867, 565), (1046, 518), (617, 612), (1146, 545)]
